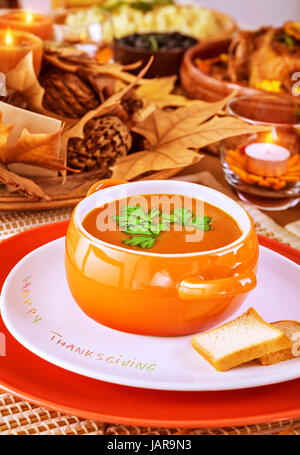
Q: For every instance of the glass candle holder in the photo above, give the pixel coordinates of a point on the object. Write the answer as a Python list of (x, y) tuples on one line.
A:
[(264, 168), (88, 30)]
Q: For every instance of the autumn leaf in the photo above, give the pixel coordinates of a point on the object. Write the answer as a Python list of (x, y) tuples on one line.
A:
[(159, 91), (163, 126), (35, 149), (82, 61), (23, 79), (23, 185), (138, 163), (115, 70), (175, 137), (5, 131)]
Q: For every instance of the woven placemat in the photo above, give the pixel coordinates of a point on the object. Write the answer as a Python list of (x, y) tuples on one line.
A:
[(18, 417)]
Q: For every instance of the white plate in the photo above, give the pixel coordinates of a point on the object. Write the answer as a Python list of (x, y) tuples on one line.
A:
[(41, 314)]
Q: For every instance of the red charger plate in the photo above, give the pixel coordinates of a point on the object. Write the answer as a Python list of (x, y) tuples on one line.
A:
[(32, 378)]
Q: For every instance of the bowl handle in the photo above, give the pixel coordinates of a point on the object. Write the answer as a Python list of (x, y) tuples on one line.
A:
[(106, 183), (196, 288)]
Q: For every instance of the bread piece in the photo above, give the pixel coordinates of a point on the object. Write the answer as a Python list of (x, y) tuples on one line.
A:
[(289, 328), (241, 340)]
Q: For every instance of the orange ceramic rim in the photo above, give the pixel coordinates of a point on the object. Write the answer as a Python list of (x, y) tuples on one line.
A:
[(47, 385)]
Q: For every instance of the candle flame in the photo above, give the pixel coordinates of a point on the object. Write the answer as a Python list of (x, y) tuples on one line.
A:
[(271, 137), (29, 17), (8, 37)]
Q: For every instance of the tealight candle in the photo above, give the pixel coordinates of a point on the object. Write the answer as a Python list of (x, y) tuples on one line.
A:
[(268, 160), (15, 45), (38, 24)]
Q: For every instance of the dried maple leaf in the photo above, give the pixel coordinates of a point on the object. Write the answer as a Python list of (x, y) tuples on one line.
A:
[(115, 70), (159, 91), (175, 136), (68, 58), (23, 185), (138, 163), (35, 149)]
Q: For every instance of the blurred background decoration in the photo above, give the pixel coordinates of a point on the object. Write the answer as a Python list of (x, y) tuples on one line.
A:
[(256, 14)]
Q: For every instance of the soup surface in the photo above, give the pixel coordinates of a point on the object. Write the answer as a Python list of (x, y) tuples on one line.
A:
[(163, 224)]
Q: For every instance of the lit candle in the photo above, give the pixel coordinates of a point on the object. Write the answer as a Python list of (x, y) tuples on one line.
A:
[(38, 24), (15, 45), (268, 160)]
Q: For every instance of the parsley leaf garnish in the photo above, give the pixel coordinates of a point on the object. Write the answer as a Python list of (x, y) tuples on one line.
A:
[(182, 215), (144, 231), (153, 212), (168, 217), (202, 222), (142, 241), (139, 213), (137, 229)]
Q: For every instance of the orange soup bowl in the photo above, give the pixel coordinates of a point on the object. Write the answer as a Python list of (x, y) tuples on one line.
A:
[(158, 294)]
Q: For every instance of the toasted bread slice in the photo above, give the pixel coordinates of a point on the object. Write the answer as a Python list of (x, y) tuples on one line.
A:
[(289, 328), (241, 340)]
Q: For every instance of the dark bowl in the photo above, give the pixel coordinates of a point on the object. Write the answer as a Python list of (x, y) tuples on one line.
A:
[(202, 86), (166, 62)]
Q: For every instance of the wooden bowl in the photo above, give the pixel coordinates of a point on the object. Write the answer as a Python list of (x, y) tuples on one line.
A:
[(200, 85), (166, 62)]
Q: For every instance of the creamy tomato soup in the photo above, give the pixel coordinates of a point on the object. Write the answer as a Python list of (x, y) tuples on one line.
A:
[(164, 224)]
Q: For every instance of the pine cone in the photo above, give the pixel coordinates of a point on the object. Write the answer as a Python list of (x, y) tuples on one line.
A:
[(67, 94), (105, 139), (72, 93)]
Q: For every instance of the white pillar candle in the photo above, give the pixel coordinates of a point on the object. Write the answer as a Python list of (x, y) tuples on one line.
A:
[(268, 160)]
